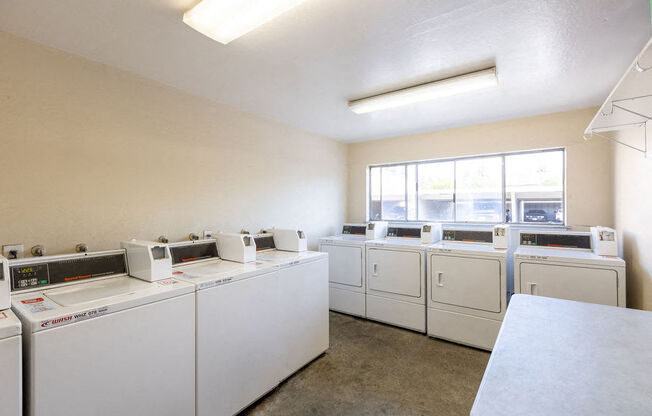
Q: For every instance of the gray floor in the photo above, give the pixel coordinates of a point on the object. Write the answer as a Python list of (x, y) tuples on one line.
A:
[(376, 369)]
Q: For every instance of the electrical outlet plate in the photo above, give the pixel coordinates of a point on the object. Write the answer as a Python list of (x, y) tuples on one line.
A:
[(208, 234), (8, 249)]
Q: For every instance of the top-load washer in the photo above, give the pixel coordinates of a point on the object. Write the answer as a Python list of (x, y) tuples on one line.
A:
[(564, 264), (303, 282), (5, 284), (467, 286), (237, 319), (346, 266), (11, 377), (98, 342), (396, 275)]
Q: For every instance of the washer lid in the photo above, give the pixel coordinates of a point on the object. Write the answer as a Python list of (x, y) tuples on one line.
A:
[(44, 309), (289, 258), (9, 324), (92, 292), (217, 272)]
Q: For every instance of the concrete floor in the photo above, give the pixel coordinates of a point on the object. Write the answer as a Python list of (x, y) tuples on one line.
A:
[(376, 369)]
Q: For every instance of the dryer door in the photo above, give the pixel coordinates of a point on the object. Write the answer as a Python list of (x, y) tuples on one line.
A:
[(466, 281), (344, 264), (394, 271), (583, 284)]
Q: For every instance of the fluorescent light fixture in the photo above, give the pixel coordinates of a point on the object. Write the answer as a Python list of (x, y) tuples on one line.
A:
[(424, 92), (225, 20)]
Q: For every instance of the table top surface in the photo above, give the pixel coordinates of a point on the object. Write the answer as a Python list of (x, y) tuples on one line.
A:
[(559, 357)]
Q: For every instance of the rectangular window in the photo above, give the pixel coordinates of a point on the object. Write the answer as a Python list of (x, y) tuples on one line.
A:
[(436, 191), (392, 193), (479, 190), (534, 187), (524, 187)]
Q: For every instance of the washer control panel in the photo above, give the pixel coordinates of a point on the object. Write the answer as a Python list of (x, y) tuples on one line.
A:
[(29, 274)]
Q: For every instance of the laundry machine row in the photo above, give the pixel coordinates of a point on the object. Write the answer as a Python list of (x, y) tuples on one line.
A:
[(158, 329), (458, 288), (261, 311)]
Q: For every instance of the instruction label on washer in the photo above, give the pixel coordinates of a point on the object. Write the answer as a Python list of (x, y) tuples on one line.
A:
[(38, 305)]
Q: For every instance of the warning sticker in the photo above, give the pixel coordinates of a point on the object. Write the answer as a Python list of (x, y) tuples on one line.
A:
[(35, 300)]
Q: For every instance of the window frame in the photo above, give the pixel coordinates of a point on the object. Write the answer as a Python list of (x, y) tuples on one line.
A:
[(502, 155)]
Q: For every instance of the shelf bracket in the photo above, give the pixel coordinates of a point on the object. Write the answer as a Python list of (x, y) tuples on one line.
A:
[(643, 150)]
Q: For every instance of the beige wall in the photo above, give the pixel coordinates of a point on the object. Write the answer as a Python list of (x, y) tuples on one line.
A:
[(589, 176), (93, 154), (633, 218)]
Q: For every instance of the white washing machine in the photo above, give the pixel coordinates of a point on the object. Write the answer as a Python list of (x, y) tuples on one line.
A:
[(11, 363), (346, 266), (238, 312), (467, 287), (396, 275), (562, 264), (98, 342), (303, 283)]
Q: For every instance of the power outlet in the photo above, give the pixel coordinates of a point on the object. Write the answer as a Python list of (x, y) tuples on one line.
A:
[(208, 234), (13, 251)]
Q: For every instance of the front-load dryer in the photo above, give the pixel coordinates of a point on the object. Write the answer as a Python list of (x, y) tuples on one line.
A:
[(346, 266), (99, 342), (563, 264), (303, 280), (396, 276), (467, 287)]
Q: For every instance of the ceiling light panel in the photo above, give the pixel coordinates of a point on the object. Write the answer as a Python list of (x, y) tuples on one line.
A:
[(437, 89), (226, 20)]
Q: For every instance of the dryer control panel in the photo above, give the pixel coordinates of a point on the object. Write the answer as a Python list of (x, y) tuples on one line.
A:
[(354, 229), (406, 232), (468, 236), (27, 274), (561, 240)]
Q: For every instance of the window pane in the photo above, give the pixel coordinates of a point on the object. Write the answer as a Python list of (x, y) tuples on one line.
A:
[(534, 185), (374, 185), (412, 192), (393, 192), (479, 189), (436, 187)]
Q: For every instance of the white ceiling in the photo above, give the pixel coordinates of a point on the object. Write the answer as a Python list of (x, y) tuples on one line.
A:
[(303, 67)]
